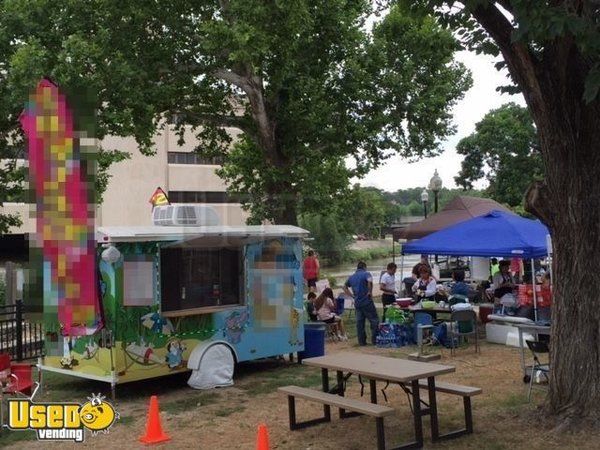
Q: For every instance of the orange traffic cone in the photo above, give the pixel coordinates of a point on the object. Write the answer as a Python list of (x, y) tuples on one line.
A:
[(262, 438), (154, 432)]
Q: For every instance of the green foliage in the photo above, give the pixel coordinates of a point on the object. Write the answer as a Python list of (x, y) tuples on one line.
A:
[(504, 149), (306, 82), (330, 241), (365, 209), (409, 200), (368, 254), (544, 30)]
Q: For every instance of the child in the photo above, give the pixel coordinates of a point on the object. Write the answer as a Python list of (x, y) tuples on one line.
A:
[(310, 307), (326, 312)]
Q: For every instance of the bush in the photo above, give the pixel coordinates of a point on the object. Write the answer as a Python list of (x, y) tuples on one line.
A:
[(329, 242), (368, 254)]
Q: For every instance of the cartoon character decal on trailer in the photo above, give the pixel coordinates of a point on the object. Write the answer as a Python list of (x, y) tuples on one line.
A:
[(175, 351)]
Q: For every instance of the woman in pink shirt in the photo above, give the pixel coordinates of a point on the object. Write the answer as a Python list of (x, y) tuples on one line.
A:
[(326, 312)]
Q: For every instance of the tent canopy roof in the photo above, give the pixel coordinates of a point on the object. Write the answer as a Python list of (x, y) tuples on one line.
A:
[(459, 209), (497, 233)]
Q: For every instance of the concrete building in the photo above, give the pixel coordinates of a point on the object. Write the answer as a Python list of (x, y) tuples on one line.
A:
[(183, 175)]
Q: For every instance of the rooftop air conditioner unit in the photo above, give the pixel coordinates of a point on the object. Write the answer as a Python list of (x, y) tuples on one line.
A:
[(185, 215)]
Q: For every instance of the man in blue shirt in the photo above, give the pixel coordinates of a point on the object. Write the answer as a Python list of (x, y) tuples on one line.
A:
[(361, 284)]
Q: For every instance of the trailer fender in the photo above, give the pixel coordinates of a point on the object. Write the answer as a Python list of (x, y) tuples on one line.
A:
[(212, 365)]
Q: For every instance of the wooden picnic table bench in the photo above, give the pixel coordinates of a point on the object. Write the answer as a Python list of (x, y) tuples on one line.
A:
[(335, 400), (466, 392)]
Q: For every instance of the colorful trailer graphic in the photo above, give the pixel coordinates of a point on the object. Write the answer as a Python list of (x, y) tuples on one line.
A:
[(126, 304), (167, 291)]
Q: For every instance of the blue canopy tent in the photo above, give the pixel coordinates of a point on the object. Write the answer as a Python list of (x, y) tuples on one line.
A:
[(497, 233)]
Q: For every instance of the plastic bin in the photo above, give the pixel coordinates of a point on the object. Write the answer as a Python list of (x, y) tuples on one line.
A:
[(314, 340), (340, 305), (485, 309)]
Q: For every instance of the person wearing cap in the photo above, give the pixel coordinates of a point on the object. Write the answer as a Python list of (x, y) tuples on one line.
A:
[(360, 287)]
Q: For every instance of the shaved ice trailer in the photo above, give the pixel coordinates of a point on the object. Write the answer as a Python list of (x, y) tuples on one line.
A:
[(179, 298)]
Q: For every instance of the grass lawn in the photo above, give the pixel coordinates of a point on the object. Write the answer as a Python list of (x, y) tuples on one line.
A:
[(228, 418)]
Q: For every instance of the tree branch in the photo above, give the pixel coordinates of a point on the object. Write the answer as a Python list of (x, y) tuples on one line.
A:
[(519, 59), (233, 78), (506, 5), (216, 119)]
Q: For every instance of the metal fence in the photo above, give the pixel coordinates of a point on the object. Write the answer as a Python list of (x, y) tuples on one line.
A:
[(19, 338)]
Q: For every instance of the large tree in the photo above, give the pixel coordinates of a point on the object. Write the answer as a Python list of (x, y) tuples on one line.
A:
[(551, 49), (306, 82), (504, 150)]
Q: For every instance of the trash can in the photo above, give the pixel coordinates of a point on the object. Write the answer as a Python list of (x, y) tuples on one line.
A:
[(485, 309), (314, 340)]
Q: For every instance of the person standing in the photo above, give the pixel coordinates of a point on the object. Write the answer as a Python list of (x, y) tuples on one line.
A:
[(360, 287), (494, 267), (387, 284), (310, 269)]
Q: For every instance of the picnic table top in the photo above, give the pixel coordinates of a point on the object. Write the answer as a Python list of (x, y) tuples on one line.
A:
[(379, 367)]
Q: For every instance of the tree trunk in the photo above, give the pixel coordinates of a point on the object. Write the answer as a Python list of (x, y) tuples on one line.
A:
[(569, 203), (284, 205)]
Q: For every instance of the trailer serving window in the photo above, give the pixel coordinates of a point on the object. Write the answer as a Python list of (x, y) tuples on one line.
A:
[(194, 278)]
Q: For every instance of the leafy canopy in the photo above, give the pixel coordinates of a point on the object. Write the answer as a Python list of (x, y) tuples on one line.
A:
[(504, 149), (305, 81)]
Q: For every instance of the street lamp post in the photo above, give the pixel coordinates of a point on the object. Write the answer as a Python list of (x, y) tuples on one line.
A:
[(424, 199), (435, 184)]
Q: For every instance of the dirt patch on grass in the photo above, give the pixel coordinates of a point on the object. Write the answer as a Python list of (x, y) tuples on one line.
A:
[(228, 418)]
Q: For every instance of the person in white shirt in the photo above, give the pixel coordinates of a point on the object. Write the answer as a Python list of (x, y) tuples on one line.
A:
[(387, 284), (425, 287)]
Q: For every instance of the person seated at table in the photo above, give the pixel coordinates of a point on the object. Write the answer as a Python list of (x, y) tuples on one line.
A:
[(326, 312), (503, 280), (460, 289), (425, 287)]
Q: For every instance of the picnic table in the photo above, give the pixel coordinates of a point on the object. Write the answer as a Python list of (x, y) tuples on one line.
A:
[(433, 312), (389, 370)]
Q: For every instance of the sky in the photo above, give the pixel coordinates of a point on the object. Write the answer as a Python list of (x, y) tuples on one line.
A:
[(397, 173)]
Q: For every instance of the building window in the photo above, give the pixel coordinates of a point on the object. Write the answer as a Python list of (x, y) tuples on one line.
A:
[(202, 197), (199, 278), (193, 158)]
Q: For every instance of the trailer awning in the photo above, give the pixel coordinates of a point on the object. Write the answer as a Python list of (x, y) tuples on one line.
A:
[(199, 236)]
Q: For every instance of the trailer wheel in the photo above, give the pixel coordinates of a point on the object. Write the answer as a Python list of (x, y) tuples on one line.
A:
[(212, 365), (526, 379)]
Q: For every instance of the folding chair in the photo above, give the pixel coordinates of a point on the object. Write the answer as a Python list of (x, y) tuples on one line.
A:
[(349, 306), (16, 380), (464, 323), (537, 347), (423, 321)]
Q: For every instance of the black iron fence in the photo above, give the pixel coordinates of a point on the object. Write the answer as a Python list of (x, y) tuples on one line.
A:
[(20, 338)]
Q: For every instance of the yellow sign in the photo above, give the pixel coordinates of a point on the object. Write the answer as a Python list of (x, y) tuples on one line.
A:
[(62, 421)]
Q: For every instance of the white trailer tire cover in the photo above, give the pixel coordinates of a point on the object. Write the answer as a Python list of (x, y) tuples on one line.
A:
[(212, 366)]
